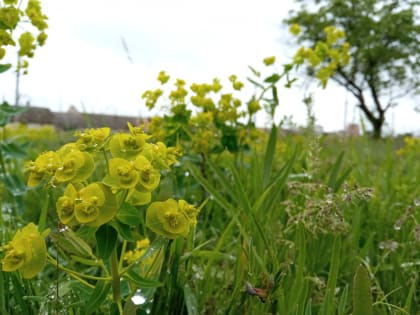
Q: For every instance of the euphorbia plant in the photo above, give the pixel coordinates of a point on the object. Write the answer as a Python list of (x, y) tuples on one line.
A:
[(107, 184)]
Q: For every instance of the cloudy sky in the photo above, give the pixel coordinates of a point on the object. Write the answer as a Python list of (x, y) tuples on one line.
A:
[(85, 64)]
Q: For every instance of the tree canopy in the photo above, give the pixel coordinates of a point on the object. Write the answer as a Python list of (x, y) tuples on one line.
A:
[(384, 36)]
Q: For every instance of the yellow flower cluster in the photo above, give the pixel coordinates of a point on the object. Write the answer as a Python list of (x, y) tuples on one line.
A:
[(178, 95), (129, 169), (171, 218), (327, 55), (10, 17), (237, 85), (26, 252), (268, 61), (152, 97), (411, 145), (295, 29)]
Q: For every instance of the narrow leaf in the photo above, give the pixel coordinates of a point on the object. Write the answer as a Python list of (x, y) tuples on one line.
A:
[(190, 301), (362, 296), (98, 296), (141, 282), (106, 240)]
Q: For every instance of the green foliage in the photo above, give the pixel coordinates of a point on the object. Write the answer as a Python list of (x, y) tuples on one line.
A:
[(11, 17), (362, 296), (384, 44)]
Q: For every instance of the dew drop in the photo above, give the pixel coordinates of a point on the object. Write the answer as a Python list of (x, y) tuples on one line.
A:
[(397, 225), (381, 245), (138, 298), (62, 228), (417, 202)]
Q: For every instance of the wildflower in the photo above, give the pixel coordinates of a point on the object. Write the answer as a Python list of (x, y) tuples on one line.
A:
[(167, 219), (95, 205), (43, 168), (294, 29), (269, 60), (127, 146), (163, 77), (92, 205), (75, 164), (26, 252), (253, 106), (27, 45)]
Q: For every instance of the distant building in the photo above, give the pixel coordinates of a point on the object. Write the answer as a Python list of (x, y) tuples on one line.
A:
[(72, 119), (352, 130)]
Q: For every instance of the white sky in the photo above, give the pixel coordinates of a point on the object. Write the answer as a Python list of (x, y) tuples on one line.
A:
[(84, 63)]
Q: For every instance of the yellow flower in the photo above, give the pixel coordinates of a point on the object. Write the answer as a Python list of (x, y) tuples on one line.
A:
[(167, 219), (294, 29), (26, 252), (269, 60), (76, 165), (95, 205), (43, 168), (163, 77)]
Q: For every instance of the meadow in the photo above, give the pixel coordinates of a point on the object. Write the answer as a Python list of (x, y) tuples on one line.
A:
[(200, 211), (286, 224)]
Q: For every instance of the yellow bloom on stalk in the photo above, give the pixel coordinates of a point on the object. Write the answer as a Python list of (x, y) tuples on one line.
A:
[(76, 166), (152, 97), (43, 168), (269, 60), (190, 211), (216, 86), (294, 29), (133, 255), (160, 155), (26, 44), (127, 146), (163, 77), (92, 205), (92, 139), (167, 219), (26, 252), (149, 177), (122, 174), (65, 206), (96, 205), (178, 95), (253, 106)]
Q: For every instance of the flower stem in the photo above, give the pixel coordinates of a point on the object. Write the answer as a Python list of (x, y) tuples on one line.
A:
[(116, 288)]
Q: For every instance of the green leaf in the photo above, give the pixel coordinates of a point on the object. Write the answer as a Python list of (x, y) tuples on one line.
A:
[(190, 301), (255, 72), (362, 296), (272, 78), (141, 282), (14, 184), (269, 155), (328, 304), (72, 243), (128, 214), (5, 67), (98, 296), (125, 231), (106, 240), (256, 83), (14, 149), (335, 181)]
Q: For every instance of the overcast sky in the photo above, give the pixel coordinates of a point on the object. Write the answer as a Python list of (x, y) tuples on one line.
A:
[(84, 62)]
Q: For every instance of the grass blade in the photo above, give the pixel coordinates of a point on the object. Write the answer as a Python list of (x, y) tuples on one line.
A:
[(362, 296)]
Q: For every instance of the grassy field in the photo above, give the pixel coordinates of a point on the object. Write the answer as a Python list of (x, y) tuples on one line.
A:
[(296, 224)]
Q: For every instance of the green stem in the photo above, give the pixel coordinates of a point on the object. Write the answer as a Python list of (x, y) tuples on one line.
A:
[(77, 275), (44, 212), (116, 289)]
